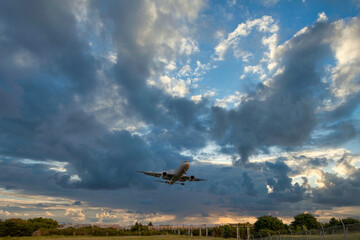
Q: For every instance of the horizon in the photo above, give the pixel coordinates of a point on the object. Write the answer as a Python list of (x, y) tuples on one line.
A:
[(261, 97)]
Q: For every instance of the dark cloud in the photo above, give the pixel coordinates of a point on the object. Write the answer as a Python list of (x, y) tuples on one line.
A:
[(339, 191), (248, 185), (340, 132), (281, 184), (77, 203), (316, 161), (282, 114), (51, 82), (49, 120)]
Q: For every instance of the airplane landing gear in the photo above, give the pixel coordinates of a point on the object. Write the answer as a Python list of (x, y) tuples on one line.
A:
[(182, 184)]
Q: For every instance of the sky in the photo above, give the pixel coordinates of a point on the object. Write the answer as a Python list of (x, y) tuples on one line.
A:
[(261, 96)]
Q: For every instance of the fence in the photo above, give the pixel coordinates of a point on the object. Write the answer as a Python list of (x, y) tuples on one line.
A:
[(346, 232)]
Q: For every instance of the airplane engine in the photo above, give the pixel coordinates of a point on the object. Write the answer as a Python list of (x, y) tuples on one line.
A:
[(191, 178), (163, 175)]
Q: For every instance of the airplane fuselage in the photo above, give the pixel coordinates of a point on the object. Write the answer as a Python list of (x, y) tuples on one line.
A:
[(174, 177), (179, 173)]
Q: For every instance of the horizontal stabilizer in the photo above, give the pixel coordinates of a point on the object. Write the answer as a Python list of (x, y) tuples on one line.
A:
[(162, 181), (166, 182)]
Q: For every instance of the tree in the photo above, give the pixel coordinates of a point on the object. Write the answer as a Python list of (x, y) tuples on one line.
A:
[(229, 231), (334, 222), (150, 224), (305, 219), (16, 227), (138, 227), (350, 220), (2, 233), (269, 223), (37, 223)]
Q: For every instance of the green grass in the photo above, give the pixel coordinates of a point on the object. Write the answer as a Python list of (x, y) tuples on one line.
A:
[(161, 237), (351, 236)]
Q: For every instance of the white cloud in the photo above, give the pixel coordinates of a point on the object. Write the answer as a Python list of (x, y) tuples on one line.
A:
[(232, 100), (180, 9), (269, 2), (346, 46), (235, 41), (346, 165), (322, 17), (105, 214), (185, 71), (75, 214), (48, 214), (174, 87), (302, 31), (209, 154), (198, 98), (4, 213)]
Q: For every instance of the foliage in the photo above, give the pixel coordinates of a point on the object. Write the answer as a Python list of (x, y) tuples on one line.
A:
[(264, 226), (305, 219), (20, 227), (269, 223), (350, 220), (41, 223), (16, 227), (333, 222), (229, 231), (337, 222)]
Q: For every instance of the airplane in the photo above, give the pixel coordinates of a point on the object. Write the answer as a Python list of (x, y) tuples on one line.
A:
[(178, 175)]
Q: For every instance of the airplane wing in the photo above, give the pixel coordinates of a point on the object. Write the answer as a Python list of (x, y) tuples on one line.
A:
[(154, 174), (187, 178)]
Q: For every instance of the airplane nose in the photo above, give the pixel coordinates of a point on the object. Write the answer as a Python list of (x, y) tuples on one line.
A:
[(187, 165)]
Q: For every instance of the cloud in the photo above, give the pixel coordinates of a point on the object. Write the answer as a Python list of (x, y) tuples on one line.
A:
[(75, 214), (248, 185), (95, 94), (265, 24), (282, 189), (59, 117), (338, 191), (283, 113)]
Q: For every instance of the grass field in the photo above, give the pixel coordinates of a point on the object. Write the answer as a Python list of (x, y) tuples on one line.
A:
[(162, 237), (351, 236)]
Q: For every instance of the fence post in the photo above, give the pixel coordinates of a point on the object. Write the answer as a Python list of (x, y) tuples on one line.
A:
[(322, 231), (305, 231), (292, 237), (333, 234), (269, 236), (200, 232), (206, 232), (248, 233), (279, 234), (237, 232), (345, 233)]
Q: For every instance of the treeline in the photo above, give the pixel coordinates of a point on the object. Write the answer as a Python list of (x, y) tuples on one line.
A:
[(266, 225), (262, 227), (19, 227), (302, 222)]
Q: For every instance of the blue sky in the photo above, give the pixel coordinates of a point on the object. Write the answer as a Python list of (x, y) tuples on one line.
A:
[(262, 97)]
